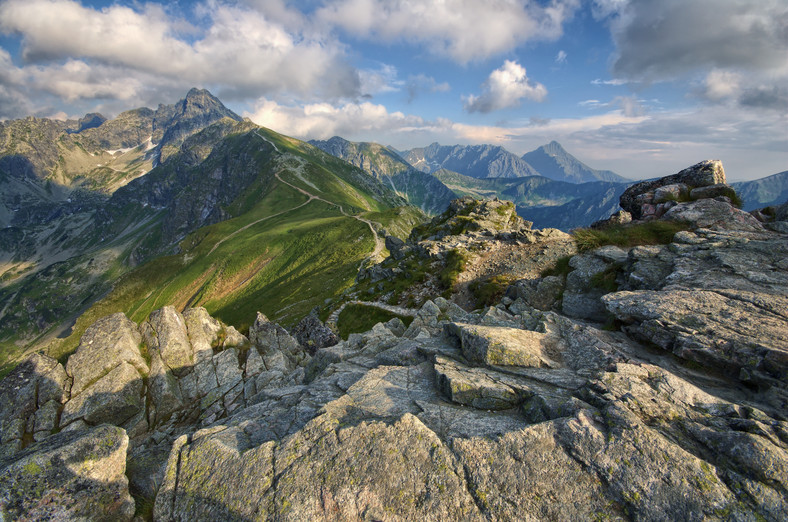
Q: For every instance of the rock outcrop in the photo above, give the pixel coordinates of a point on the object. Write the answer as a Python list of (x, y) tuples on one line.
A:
[(676, 410), (653, 198), (472, 243)]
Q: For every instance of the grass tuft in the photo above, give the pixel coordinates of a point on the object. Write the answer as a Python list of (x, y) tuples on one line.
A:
[(629, 235), (561, 268), (455, 264), (356, 318), (490, 291)]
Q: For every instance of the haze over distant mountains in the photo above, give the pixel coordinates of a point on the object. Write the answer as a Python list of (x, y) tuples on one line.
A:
[(554, 162), (488, 161)]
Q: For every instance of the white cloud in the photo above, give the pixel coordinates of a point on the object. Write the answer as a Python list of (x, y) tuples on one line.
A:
[(505, 88), (614, 81), (560, 57), (383, 79), (464, 30), (239, 50), (720, 85), (323, 120)]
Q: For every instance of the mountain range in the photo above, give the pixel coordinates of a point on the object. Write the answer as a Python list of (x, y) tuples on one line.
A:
[(549, 185), (188, 204), (193, 205), (487, 161)]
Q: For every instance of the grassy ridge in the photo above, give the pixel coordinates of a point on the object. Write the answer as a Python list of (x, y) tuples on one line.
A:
[(282, 256), (281, 253)]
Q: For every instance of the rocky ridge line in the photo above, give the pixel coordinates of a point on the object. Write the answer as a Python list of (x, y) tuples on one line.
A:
[(508, 412)]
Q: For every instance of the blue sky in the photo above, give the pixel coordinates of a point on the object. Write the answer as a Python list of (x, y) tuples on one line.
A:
[(642, 87)]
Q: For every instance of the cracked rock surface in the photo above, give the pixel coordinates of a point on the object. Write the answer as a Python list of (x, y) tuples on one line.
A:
[(506, 413)]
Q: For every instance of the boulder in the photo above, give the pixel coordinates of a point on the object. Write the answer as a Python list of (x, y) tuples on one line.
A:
[(581, 295), (173, 339), (712, 214), (542, 293), (274, 342), (371, 470), (396, 247), (73, 475), (729, 331), (501, 346), (113, 399), (673, 192), (27, 397), (312, 334), (713, 191), (621, 217), (705, 173), (163, 388), (107, 343)]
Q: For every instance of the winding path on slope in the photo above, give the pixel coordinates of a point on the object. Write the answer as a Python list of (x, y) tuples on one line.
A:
[(299, 168), (331, 322)]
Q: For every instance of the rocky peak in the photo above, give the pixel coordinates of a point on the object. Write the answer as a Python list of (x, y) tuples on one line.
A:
[(650, 199), (196, 111), (553, 149), (475, 217), (91, 121)]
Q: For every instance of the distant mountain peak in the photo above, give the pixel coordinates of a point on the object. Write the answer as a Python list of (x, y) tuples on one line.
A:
[(554, 162), (553, 148), (478, 161)]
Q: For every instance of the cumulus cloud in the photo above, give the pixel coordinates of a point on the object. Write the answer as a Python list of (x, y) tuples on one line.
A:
[(323, 120), (464, 30), (628, 140), (382, 79), (505, 88), (560, 57), (240, 50), (720, 84)]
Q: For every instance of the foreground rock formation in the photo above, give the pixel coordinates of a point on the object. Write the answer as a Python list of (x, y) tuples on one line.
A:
[(679, 411)]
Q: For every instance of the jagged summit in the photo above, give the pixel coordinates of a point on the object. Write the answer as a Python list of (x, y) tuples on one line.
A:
[(478, 161), (194, 112)]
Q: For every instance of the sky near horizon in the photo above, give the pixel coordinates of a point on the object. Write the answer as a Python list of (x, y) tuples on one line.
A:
[(641, 87)]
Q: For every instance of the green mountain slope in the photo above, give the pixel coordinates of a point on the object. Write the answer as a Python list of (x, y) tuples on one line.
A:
[(420, 189), (239, 219)]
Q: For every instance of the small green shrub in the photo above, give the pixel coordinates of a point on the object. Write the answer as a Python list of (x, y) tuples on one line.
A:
[(606, 280), (561, 268), (455, 264), (503, 209), (359, 318), (629, 235), (489, 292)]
